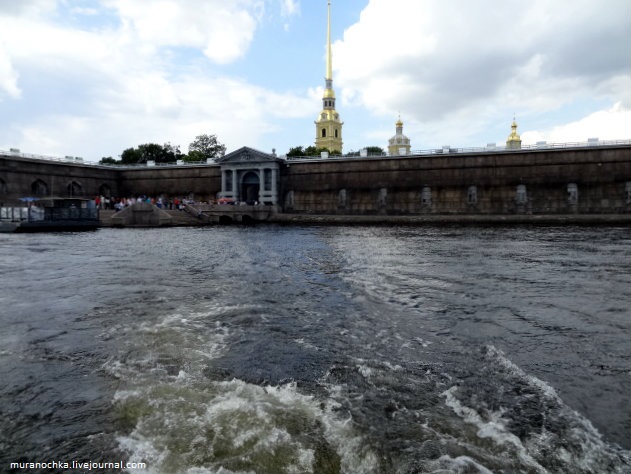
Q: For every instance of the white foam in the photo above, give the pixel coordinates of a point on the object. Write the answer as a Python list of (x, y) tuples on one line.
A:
[(366, 371), (392, 367), (461, 464), (493, 429), (249, 420), (422, 342), (545, 388), (305, 344), (594, 451)]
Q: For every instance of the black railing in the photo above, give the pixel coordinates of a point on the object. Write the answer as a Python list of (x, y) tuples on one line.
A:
[(70, 213)]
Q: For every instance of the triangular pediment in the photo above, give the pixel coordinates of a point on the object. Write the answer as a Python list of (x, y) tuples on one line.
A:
[(247, 155)]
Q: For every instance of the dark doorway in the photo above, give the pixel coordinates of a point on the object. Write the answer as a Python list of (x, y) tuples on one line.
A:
[(105, 190), (39, 188), (250, 187), (74, 189)]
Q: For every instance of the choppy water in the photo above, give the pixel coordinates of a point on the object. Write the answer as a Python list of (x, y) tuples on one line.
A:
[(319, 349)]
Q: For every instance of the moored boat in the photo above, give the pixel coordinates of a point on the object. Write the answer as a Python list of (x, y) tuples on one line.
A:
[(53, 214)]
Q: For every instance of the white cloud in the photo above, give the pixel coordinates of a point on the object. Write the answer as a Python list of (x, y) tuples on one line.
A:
[(8, 76), (289, 7), (223, 30), (30, 8), (99, 91), (461, 64), (84, 11), (610, 124), (164, 70)]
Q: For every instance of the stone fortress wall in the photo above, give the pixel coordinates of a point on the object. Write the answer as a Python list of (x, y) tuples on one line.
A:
[(578, 180)]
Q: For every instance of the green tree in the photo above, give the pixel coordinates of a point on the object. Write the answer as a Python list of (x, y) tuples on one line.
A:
[(193, 156), (308, 151), (371, 150), (155, 152), (172, 152), (375, 150), (206, 146), (130, 156), (108, 160), (313, 151), (295, 152), (166, 153)]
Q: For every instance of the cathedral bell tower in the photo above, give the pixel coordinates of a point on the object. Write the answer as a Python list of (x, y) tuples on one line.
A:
[(328, 125)]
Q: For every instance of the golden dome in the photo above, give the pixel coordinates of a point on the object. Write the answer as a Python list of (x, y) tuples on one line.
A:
[(514, 136), (514, 140)]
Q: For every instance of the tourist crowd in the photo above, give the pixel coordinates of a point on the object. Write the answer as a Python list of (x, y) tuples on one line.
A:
[(118, 204)]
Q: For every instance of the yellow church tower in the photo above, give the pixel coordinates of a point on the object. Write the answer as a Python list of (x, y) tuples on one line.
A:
[(328, 125), (514, 140)]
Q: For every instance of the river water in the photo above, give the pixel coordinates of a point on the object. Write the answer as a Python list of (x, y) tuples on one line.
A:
[(275, 349)]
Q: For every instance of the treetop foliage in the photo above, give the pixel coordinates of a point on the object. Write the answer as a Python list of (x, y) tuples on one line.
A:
[(204, 147), (298, 151), (207, 147)]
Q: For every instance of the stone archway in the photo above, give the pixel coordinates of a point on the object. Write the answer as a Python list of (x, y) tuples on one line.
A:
[(74, 189), (250, 187), (105, 191), (39, 188)]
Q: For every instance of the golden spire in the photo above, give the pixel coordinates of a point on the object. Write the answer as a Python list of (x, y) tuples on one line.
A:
[(329, 60), (328, 91), (328, 124)]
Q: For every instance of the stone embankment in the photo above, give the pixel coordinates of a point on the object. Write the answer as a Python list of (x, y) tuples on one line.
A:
[(177, 218), (170, 218), (455, 219)]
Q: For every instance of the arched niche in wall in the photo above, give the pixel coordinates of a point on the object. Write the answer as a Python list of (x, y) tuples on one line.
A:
[(74, 188), (39, 188)]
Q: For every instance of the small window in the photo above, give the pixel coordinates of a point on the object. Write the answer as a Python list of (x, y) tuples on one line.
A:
[(572, 193), (521, 196), (472, 195), (426, 196), (323, 132), (336, 133), (342, 198)]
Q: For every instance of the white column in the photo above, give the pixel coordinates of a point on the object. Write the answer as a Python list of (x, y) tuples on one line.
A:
[(223, 183), (235, 192), (274, 186)]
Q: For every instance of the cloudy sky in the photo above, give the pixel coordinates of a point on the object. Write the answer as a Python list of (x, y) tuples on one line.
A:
[(91, 78)]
